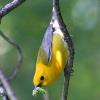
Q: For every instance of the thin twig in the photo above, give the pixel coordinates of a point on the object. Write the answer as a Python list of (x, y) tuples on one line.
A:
[(9, 7), (67, 37), (20, 56), (5, 98), (4, 81), (46, 96), (7, 87)]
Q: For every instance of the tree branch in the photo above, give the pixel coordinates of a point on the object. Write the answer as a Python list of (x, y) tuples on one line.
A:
[(9, 7), (5, 97), (5, 89), (8, 93), (67, 38), (46, 96), (20, 56)]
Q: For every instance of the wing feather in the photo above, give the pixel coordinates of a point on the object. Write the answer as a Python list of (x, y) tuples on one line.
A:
[(45, 52)]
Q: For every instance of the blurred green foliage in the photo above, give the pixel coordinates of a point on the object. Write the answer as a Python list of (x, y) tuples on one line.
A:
[(26, 26)]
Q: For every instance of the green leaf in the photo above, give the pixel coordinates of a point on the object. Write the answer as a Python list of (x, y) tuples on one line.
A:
[(38, 90)]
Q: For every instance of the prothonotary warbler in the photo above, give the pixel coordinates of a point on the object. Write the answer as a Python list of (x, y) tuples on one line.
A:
[(52, 55)]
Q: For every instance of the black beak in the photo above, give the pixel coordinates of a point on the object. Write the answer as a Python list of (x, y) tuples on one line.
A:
[(39, 85)]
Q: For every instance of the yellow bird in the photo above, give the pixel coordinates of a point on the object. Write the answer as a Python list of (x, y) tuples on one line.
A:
[(52, 55)]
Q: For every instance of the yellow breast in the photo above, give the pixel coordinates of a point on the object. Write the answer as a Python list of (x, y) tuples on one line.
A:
[(59, 57), (59, 51)]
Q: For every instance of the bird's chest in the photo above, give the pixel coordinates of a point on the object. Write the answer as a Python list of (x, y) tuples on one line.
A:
[(59, 52)]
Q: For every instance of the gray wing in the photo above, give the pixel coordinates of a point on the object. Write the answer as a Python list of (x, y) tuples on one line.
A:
[(47, 42)]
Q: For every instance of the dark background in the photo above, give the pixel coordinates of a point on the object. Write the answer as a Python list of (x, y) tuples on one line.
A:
[(26, 26)]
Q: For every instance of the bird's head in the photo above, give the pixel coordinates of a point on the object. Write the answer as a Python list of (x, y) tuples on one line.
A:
[(40, 78)]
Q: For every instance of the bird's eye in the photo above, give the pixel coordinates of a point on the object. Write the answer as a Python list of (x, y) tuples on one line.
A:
[(42, 78)]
